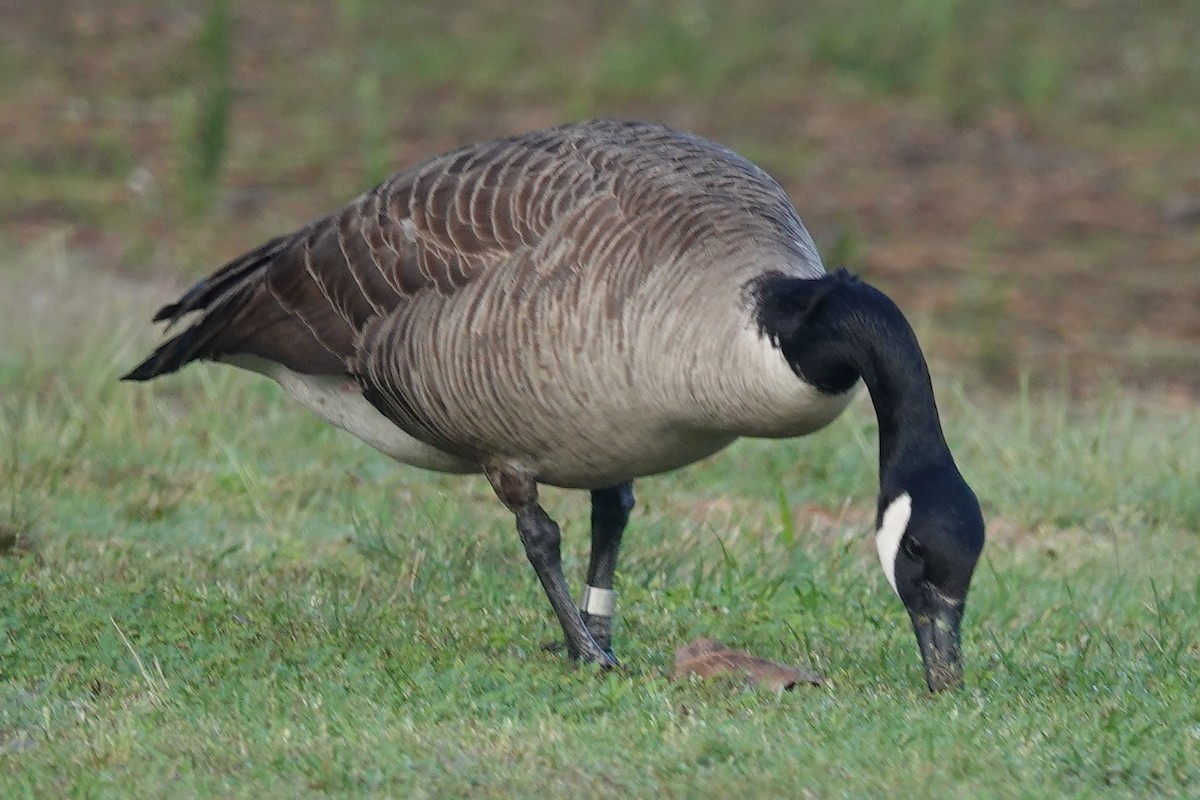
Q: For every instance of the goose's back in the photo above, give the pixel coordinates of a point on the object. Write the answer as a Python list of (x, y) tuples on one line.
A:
[(609, 198)]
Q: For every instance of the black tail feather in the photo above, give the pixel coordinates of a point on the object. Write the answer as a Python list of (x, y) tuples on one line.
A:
[(168, 357), (219, 297), (207, 291)]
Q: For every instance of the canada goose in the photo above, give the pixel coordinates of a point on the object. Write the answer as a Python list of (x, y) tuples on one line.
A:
[(583, 306)]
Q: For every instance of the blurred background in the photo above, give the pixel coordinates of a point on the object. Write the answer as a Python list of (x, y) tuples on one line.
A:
[(1023, 177)]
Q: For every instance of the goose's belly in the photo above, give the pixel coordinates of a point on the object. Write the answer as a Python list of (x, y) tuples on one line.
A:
[(634, 451), (588, 448), (626, 454)]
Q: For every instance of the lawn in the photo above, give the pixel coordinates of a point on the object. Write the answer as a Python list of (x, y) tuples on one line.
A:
[(205, 592)]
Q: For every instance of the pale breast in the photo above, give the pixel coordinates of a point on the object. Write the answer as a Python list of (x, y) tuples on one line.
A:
[(759, 395)]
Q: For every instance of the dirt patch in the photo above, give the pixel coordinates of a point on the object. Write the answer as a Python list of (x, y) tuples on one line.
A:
[(1022, 255)]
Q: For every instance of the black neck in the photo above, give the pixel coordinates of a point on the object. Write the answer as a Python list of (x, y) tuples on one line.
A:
[(836, 329)]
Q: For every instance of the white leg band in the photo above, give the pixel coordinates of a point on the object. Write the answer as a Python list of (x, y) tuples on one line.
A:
[(598, 602)]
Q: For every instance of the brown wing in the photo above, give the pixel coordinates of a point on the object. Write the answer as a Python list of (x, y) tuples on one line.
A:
[(303, 299)]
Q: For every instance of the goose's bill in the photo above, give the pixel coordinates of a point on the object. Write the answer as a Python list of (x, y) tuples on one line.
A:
[(937, 628)]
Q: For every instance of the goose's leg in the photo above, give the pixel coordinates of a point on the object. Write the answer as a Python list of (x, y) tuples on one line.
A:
[(610, 515), (541, 538)]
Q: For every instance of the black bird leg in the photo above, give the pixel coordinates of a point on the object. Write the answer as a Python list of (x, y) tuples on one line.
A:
[(610, 515), (541, 538)]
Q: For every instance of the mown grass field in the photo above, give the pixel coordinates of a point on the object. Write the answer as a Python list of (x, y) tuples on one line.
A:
[(204, 592)]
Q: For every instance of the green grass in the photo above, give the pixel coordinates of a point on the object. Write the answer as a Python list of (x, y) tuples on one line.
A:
[(209, 593)]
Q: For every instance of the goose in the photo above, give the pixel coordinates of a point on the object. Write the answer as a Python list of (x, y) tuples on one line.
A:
[(583, 306)]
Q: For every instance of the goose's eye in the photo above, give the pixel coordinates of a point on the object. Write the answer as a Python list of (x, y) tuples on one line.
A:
[(913, 548)]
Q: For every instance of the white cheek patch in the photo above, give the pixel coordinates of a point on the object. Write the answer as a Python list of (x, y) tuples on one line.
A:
[(891, 530)]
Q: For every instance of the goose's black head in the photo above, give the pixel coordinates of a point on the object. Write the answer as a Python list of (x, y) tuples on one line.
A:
[(834, 330), (929, 534)]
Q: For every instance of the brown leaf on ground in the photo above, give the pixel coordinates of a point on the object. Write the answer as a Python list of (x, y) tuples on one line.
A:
[(708, 658)]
